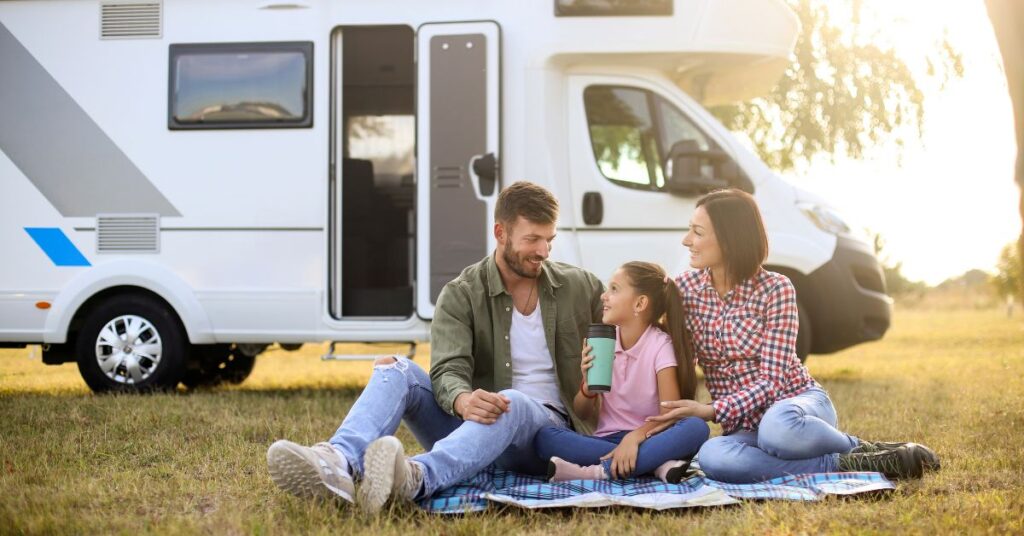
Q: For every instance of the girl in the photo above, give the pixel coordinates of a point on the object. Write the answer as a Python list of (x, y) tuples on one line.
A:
[(775, 418), (652, 364)]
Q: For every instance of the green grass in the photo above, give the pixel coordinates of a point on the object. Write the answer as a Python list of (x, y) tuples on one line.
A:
[(71, 462)]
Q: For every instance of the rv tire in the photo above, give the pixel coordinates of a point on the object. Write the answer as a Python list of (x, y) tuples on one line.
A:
[(131, 343), (213, 364)]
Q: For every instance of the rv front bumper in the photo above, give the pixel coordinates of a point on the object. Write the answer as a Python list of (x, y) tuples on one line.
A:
[(850, 305)]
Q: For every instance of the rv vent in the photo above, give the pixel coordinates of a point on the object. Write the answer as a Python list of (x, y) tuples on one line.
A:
[(128, 19), (448, 177), (127, 233)]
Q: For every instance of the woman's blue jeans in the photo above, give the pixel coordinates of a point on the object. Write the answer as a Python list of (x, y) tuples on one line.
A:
[(680, 441), (797, 435)]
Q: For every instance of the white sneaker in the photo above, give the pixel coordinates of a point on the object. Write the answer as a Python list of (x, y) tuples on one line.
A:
[(387, 473), (316, 472)]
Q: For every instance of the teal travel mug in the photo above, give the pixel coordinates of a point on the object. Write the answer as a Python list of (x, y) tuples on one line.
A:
[(601, 337)]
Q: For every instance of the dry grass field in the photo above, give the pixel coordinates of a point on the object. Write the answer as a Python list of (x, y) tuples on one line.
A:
[(75, 463)]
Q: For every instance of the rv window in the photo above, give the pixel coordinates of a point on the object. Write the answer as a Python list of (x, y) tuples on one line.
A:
[(590, 8), (623, 136), (241, 85)]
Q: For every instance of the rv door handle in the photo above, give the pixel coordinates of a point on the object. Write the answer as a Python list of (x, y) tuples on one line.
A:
[(593, 208), (485, 167)]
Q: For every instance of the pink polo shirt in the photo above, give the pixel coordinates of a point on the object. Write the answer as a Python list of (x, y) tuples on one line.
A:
[(634, 394)]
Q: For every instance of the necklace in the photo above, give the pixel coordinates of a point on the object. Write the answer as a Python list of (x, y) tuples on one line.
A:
[(526, 310)]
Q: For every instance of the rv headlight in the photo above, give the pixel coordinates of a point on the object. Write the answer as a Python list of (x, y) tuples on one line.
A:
[(825, 219)]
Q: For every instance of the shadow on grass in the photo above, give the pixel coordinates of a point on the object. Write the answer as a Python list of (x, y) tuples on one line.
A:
[(346, 391)]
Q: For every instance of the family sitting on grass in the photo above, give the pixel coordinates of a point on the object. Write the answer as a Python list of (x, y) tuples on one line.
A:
[(508, 361)]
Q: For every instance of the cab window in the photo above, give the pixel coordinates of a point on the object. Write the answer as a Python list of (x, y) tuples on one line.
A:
[(632, 131), (623, 136)]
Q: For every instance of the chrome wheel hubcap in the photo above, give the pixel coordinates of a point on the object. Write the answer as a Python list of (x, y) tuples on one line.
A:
[(128, 349)]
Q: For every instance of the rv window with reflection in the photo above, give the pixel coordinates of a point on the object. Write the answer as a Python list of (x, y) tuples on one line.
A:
[(623, 136), (241, 85), (594, 8), (632, 131)]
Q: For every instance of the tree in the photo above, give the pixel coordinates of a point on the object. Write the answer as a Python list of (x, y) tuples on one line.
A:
[(1007, 18), (846, 90), (1009, 278)]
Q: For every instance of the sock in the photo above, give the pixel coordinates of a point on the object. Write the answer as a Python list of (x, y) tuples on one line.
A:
[(570, 471), (344, 461)]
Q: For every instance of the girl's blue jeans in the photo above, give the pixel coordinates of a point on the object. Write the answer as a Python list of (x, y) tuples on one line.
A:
[(680, 441)]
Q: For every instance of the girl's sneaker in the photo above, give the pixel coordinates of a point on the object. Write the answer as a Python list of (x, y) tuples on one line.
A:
[(672, 471), (560, 470)]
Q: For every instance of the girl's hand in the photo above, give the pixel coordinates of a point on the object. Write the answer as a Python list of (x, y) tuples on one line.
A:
[(588, 358), (624, 456), (680, 409)]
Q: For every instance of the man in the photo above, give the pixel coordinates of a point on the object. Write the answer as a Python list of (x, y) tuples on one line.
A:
[(505, 362)]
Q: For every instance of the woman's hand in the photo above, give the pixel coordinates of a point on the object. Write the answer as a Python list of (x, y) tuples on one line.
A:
[(624, 456), (678, 410)]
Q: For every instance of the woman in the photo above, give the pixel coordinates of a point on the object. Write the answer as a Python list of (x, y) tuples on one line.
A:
[(776, 420)]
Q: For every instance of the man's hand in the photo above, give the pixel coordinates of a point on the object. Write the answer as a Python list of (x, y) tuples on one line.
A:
[(624, 456), (680, 409), (481, 406)]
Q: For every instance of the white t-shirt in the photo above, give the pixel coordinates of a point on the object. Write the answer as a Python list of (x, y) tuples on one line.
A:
[(533, 370)]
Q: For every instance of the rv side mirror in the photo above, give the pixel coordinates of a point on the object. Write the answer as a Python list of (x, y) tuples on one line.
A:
[(686, 166)]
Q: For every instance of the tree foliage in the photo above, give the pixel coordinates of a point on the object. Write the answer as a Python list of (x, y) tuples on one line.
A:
[(1009, 277), (845, 91)]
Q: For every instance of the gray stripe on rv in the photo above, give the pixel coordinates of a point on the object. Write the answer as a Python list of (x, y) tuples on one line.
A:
[(55, 143)]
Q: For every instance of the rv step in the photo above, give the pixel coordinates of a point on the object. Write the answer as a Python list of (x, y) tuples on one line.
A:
[(331, 356)]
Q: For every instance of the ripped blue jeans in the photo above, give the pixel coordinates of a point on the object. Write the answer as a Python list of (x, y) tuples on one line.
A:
[(456, 449)]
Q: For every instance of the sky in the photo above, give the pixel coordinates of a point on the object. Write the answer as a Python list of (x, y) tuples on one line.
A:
[(949, 204)]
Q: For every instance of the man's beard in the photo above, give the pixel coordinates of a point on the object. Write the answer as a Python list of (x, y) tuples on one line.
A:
[(517, 264)]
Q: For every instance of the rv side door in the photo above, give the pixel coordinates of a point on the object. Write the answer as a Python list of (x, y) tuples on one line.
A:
[(457, 151)]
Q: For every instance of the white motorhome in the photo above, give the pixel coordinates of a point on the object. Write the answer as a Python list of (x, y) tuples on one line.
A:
[(183, 182)]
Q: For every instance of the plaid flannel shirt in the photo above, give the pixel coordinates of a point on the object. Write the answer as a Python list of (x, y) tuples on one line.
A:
[(746, 344)]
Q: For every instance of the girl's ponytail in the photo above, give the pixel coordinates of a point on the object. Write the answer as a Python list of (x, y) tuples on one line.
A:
[(675, 325)]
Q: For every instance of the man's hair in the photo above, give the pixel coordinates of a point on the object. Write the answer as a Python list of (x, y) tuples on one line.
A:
[(740, 231), (528, 200)]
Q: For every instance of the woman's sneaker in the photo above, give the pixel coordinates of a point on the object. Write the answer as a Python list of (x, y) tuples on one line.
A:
[(931, 460), (906, 461), (316, 472)]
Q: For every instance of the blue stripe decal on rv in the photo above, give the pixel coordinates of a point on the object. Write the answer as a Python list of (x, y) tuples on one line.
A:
[(57, 246)]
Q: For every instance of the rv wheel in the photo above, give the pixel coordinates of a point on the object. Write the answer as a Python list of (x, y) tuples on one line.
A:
[(214, 364), (131, 343)]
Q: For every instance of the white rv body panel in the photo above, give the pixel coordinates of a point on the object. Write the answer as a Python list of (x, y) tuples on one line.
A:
[(249, 248)]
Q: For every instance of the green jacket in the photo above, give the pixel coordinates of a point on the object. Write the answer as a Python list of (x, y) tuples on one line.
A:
[(469, 336)]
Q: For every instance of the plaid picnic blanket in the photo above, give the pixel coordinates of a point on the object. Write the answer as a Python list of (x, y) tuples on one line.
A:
[(492, 485)]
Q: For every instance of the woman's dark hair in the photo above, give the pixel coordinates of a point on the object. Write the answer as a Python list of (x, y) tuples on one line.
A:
[(740, 231), (649, 279)]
